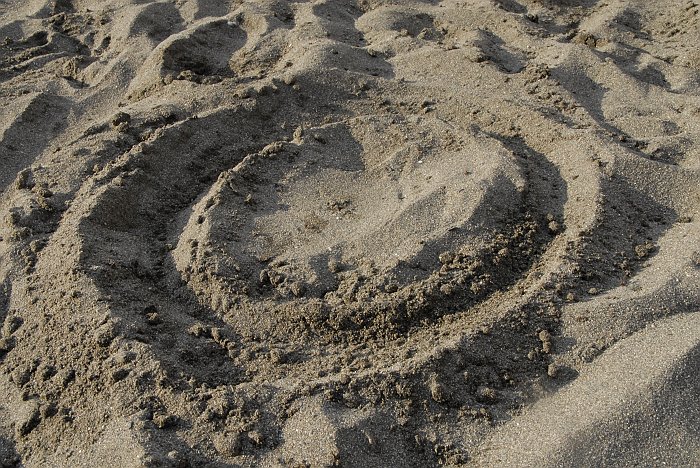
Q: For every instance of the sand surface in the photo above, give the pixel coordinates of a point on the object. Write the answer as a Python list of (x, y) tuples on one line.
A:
[(363, 233)]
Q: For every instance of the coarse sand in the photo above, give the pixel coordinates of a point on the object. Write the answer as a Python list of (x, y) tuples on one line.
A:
[(359, 233)]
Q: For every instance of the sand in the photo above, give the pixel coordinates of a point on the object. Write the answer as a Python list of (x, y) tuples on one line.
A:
[(364, 233)]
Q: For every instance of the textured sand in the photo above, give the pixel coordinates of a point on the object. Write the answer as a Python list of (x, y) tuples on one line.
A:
[(349, 233)]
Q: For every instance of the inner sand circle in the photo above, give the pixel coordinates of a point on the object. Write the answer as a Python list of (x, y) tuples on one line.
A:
[(350, 224)]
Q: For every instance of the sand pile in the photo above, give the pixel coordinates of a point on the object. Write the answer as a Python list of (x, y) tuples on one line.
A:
[(349, 233)]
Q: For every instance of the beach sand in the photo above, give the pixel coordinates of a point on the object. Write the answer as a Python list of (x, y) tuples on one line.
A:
[(363, 233)]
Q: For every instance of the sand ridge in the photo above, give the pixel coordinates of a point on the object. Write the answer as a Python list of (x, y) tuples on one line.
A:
[(348, 233)]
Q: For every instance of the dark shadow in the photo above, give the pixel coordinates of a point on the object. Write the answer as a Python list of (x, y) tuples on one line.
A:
[(378, 441), (553, 113), (511, 6), (565, 16), (5, 293), (590, 95), (7, 343), (137, 220), (546, 195), (9, 458), (206, 50), (547, 189), (43, 119), (158, 21), (629, 218), (495, 48), (338, 19), (215, 8), (627, 65), (570, 3), (657, 428), (587, 93), (349, 51)]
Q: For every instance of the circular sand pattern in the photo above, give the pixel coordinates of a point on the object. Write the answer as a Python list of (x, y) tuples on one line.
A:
[(364, 217), (394, 290)]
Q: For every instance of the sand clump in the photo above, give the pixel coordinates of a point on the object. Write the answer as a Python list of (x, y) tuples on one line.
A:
[(349, 233)]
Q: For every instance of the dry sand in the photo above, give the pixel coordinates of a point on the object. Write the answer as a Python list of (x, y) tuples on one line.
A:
[(349, 233)]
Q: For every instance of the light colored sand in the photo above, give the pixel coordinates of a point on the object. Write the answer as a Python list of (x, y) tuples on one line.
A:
[(361, 233)]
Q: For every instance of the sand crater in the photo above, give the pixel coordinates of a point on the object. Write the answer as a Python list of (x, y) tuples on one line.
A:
[(364, 211)]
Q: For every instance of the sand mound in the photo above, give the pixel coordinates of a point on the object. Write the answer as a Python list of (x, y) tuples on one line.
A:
[(349, 233)]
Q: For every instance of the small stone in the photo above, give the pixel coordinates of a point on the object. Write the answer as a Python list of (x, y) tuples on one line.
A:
[(334, 266), (104, 335), (298, 133), (553, 370), (177, 460), (153, 318), (256, 437), (391, 288), (120, 118), (593, 291), (163, 421), (297, 288), (120, 374), (5, 345), (553, 227), (12, 324), (438, 392), (24, 180), (229, 444), (447, 289), (122, 127), (28, 422), (277, 356), (643, 250), (446, 257), (546, 339), (197, 330), (486, 394)]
